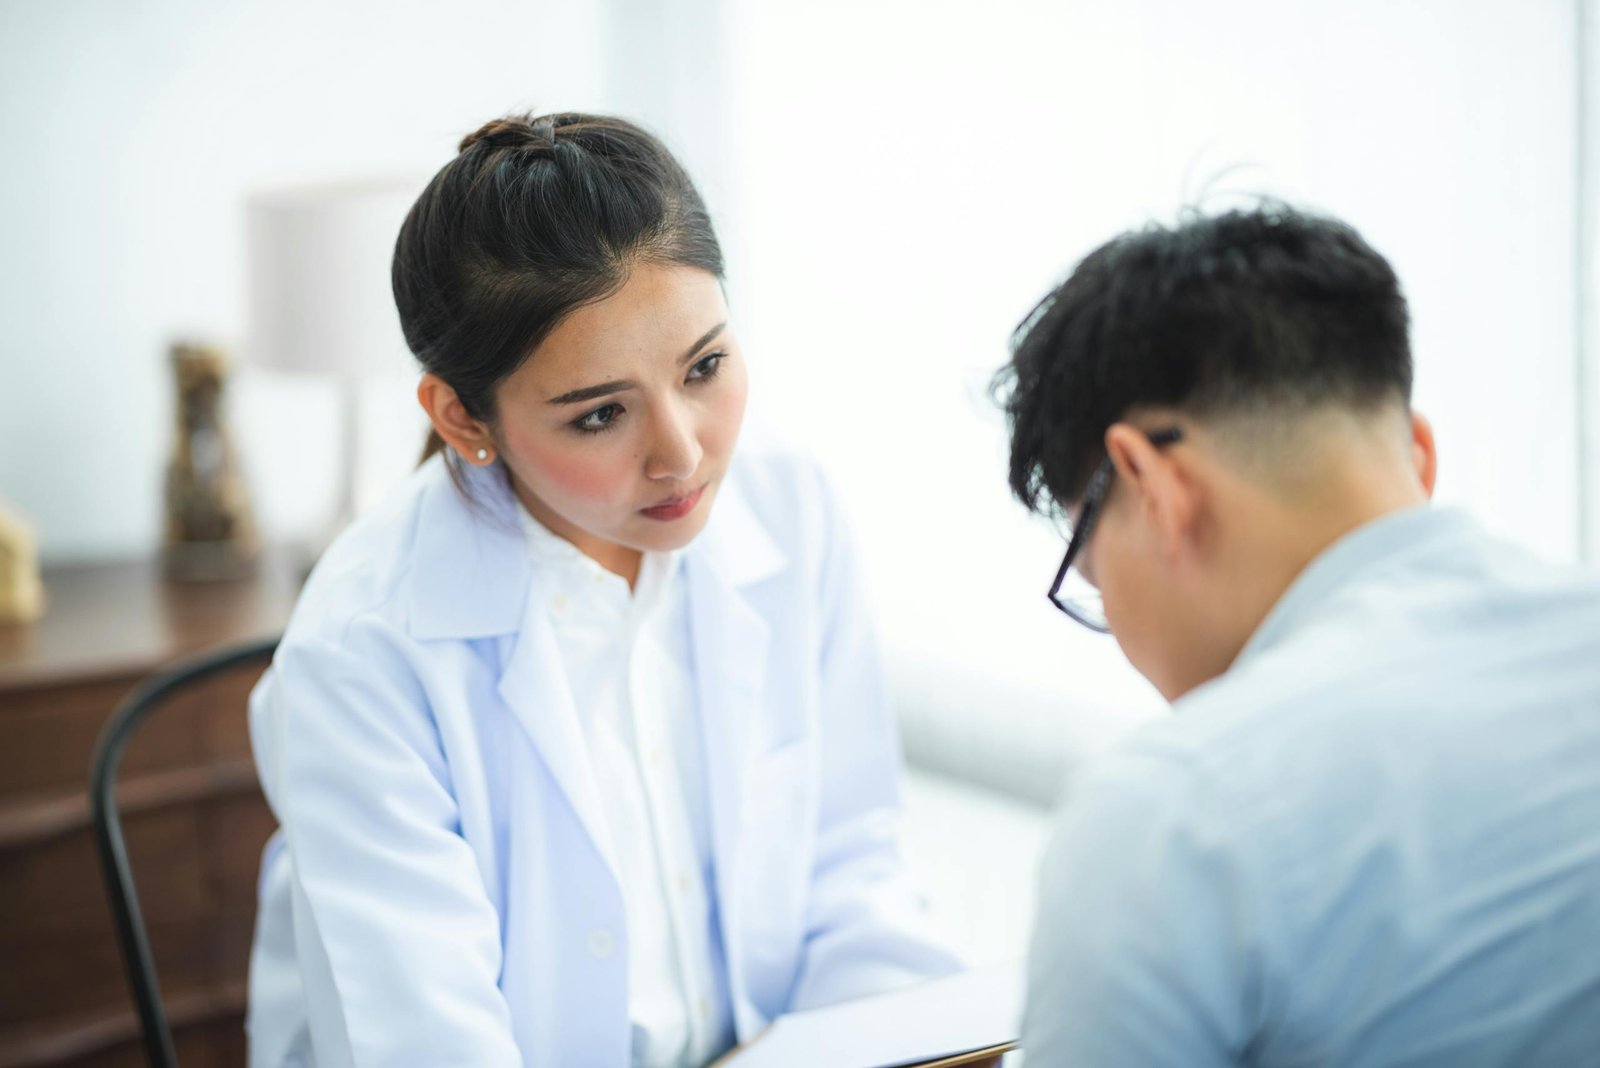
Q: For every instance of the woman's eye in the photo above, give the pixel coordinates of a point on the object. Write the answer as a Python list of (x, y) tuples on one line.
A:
[(706, 367), (602, 418)]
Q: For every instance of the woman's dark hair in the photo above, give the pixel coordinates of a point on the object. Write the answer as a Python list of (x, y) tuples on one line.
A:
[(1265, 311), (536, 217)]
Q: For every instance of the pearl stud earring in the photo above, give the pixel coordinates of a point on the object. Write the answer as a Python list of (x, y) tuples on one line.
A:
[(483, 454)]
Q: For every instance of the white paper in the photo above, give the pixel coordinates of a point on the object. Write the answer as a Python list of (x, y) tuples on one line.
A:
[(942, 1017)]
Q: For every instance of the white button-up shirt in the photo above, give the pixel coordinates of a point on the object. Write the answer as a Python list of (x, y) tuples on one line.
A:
[(629, 669)]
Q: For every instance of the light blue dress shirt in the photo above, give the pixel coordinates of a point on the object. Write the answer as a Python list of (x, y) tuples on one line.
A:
[(1374, 841)]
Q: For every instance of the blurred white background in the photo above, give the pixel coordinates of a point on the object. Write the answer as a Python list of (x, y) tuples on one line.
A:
[(896, 183)]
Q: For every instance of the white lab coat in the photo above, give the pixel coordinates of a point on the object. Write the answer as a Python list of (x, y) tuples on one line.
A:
[(439, 893)]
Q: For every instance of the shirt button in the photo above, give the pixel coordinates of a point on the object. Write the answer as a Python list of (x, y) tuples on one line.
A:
[(601, 943), (683, 885), (560, 603), (705, 1008)]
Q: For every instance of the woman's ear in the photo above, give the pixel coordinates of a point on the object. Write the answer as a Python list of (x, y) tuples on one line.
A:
[(1424, 453), (1167, 497), (470, 438)]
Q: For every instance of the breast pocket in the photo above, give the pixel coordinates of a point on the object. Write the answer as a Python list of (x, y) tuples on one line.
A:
[(779, 786)]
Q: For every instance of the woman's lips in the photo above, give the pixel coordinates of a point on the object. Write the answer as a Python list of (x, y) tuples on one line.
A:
[(676, 508)]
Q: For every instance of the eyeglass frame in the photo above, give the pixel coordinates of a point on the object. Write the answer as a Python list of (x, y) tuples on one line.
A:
[(1094, 498)]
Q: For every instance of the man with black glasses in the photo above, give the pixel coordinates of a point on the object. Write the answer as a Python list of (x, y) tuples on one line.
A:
[(1370, 833)]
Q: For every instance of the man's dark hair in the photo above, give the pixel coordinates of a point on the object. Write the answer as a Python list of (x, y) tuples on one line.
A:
[(1266, 311)]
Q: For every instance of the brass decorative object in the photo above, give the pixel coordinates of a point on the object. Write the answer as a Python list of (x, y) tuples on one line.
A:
[(211, 533), (21, 590)]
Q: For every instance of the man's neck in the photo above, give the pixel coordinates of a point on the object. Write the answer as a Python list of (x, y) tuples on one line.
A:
[(1274, 539)]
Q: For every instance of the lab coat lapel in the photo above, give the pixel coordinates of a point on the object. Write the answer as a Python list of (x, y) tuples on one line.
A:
[(730, 639), (730, 654), (535, 687), (484, 585)]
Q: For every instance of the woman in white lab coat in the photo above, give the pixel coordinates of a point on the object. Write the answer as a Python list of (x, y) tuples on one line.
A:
[(578, 745)]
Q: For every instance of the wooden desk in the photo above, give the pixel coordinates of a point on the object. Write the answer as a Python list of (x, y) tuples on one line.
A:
[(193, 816)]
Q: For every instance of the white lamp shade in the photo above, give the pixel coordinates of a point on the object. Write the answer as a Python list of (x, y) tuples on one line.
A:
[(320, 298)]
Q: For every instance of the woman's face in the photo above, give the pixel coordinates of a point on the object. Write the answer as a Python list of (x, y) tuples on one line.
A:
[(618, 430)]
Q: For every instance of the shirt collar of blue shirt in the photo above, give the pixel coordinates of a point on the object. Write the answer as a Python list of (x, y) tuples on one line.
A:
[(1409, 532)]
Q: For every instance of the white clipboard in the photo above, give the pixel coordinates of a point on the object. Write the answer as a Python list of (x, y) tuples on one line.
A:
[(958, 1019)]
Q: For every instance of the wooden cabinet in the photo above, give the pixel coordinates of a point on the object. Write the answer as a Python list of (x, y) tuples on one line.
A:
[(193, 816)]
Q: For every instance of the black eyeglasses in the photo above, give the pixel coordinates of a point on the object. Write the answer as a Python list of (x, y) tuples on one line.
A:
[(1071, 592)]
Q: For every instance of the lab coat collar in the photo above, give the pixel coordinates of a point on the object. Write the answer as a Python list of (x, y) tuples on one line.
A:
[(472, 576), (735, 544)]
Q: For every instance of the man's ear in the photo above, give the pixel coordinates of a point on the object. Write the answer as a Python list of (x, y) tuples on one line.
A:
[(1164, 491), (1424, 454), (460, 431)]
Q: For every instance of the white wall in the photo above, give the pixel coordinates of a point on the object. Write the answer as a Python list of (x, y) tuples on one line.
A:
[(131, 134), (896, 181), (1587, 42), (913, 175)]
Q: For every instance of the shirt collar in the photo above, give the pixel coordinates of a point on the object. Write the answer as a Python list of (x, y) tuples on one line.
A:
[(545, 545), (1415, 532), (657, 570)]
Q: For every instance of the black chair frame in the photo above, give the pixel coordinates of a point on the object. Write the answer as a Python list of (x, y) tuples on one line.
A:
[(125, 721)]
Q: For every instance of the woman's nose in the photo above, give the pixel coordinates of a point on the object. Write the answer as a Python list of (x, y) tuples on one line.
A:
[(676, 451)]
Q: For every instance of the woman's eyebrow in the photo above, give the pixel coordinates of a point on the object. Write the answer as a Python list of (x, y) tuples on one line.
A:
[(705, 339), (589, 393)]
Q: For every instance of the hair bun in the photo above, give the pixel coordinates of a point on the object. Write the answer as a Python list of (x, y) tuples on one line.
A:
[(517, 131)]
